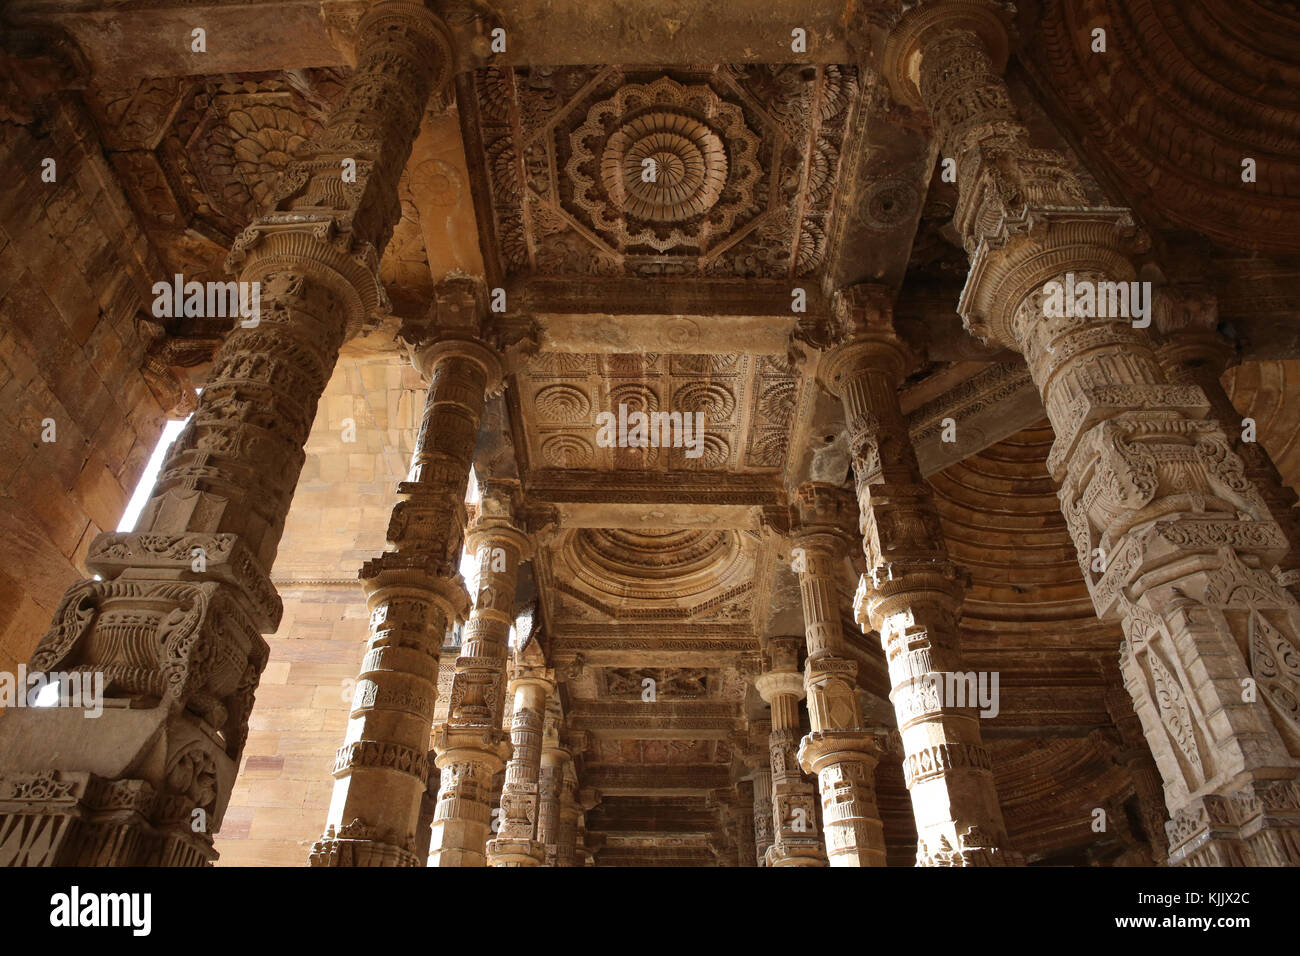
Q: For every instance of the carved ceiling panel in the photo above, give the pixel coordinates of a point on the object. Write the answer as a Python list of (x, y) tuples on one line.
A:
[(749, 405), (609, 171), (200, 157), (652, 574)]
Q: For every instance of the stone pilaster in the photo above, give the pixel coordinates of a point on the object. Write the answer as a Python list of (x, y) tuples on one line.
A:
[(1135, 756), (745, 846), (516, 841), (795, 839), (911, 595), (839, 750), (174, 617), (555, 762), (566, 842), (1174, 538), (585, 843), (471, 746), (762, 813)]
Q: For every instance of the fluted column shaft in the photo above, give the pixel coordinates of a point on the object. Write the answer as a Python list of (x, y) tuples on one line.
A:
[(516, 841), (839, 750), (471, 746), (1174, 538), (911, 596), (174, 617)]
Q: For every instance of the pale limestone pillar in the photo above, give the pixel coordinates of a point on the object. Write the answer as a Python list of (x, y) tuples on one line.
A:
[(911, 594), (839, 750), (516, 842), (795, 837), (471, 746), (1174, 538), (174, 617)]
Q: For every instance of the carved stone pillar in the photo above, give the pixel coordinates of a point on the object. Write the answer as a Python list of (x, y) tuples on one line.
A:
[(566, 842), (1192, 352), (1135, 756), (174, 617), (471, 746), (587, 799), (745, 846), (795, 840), (1173, 537), (838, 750), (428, 802), (554, 764), (910, 595), (762, 814), (516, 841), (413, 592)]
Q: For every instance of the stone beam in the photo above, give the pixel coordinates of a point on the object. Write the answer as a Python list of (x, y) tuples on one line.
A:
[(705, 645), (990, 406), (592, 499), (656, 780), (154, 39), (661, 720)]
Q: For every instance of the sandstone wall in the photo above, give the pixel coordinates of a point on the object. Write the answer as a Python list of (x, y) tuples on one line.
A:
[(73, 270)]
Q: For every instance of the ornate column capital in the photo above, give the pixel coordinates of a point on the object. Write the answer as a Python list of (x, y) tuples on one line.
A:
[(494, 522), (1190, 345), (455, 326), (864, 338), (775, 684), (825, 518), (915, 30)]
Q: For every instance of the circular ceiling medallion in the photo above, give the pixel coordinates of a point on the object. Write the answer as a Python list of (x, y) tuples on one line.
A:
[(664, 167)]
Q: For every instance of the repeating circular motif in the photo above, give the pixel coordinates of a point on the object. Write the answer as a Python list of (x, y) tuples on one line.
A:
[(776, 404), (562, 403), (714, 400), (664, 166), (637, 398), (716, 453), (567, 451), (768, 449)]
